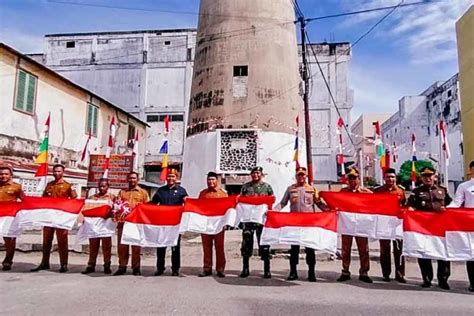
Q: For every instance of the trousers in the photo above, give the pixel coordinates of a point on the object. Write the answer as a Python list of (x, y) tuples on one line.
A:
[(10, 244), (62, 238), (426, 267), (248, 231), (362, 247), (295, 256), (94, 245), (385, 258), (123, 251), (207, 242), (175, 257)]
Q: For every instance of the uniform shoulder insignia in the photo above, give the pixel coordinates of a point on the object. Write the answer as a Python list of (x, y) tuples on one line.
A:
[(402, 187)]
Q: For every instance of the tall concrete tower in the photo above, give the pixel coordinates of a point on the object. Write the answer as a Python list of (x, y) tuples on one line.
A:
[(245, 94)]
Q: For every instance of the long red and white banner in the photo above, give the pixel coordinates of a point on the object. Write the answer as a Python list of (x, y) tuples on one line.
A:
[(252, 209), (51, 212), (313, 230), (446, 235), (208, 216), (97, 221), (8, 223), (152, 226), (377, 216)]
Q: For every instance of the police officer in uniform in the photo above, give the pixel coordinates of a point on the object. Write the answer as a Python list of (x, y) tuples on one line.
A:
[(59, 188), (390, 186), (431, 197), (303, 198), (255, 187), (170, 194), (9, 192)]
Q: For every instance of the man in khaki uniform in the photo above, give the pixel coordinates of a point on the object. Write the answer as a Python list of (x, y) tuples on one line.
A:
[(58, 188), (303, 198), (9, 192), (362, 242), (133, 195)]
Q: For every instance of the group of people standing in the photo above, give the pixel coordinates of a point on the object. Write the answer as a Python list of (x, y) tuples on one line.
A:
[(301, 196)]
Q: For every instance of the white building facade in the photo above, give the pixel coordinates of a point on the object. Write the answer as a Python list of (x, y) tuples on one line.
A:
[(421, 115)]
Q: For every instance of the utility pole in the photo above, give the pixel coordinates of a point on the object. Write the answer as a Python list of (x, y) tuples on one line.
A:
[(307, 120)]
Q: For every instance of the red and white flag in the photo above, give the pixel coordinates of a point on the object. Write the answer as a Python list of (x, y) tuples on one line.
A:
[(208, 216), (252, 209), (313, 230), (50, 212), (376, 216), (446, 235), (110, 147), (152, 226), (444, 141), (9, 226), (97, 221)]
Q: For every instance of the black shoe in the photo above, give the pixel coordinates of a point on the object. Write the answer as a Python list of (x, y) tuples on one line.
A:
[(88, 270), (426, 284), (386, 279), (63, 268), (311, 276), (245, 273), (220, 274), (267, 275), (107, 269), (159, 272), (401, 279), (6, 267), (292, 276), (344, 277), (175, 273), (204, 274), (120, 271), (470, 289), (444, 285), (136, 271), (40, 267), (365, 278), (266, 269)]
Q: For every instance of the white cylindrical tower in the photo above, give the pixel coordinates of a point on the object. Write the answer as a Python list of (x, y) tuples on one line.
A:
[(245, 94)]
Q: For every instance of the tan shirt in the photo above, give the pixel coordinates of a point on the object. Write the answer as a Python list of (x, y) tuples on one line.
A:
[(134, 196), (357, 190), (212, 194), (107, 196), (396, 191), (60, 189), (302, 198), (11, 191)]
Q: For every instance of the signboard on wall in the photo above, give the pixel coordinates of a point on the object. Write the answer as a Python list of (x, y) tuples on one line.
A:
[(119, 167)]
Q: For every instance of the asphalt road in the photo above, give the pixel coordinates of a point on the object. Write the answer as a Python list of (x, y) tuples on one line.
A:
[(51, 293)]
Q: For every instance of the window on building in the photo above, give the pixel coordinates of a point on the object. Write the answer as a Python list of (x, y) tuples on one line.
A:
[(92, 119), (25, 92), (131, 135), (152, 118), (189, 54), (450, 93), (167, 43), (241, 71), (435, 103), (70, 44)]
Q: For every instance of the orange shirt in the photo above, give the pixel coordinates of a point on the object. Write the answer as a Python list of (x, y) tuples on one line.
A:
[(134, 196), (396, 190), (358, 190), (212, 194), (10, 192), (60, 189)]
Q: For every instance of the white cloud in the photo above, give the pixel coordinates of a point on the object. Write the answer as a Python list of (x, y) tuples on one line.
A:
[(426, 32)]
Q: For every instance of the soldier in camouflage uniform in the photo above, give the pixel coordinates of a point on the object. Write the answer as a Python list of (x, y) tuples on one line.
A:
[(252, 188), (430, 197)]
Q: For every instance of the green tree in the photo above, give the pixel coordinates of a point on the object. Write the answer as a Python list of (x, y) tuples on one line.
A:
[(405, 171)]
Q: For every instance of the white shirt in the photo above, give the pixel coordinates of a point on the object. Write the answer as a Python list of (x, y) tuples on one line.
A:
[(464, 195)]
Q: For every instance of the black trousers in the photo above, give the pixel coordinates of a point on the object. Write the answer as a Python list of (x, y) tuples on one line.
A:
[(295, 256), (470, 272), (175, 257), (426, 267), (248, 230)]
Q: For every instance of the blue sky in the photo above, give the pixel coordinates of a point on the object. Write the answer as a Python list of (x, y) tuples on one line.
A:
[(413, 48)]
